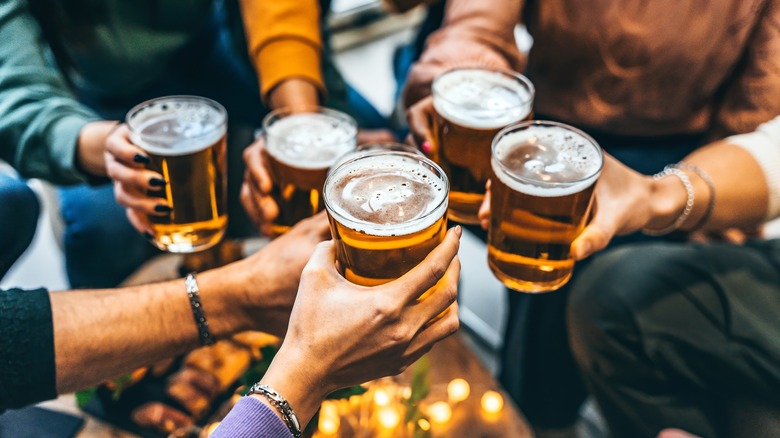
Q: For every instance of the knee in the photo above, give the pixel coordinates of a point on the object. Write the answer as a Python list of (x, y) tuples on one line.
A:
[(19, 209), (610, 294)]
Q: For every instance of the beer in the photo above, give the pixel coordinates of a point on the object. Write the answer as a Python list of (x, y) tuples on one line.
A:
[(300, 148), (185, 138), (387, 212), (472, 105), (541, 194)]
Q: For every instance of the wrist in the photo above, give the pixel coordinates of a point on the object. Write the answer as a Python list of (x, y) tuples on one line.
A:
[(91, 147), (667, 201), (227, 312), (294, 93)]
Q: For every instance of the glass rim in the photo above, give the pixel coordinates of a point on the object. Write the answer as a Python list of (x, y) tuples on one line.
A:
[(506, 72), (525, 180), (182, 98), (420, 158), (286, 111)]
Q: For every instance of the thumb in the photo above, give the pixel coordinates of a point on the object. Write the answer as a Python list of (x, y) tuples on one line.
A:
[(595, 237), (323, 257)]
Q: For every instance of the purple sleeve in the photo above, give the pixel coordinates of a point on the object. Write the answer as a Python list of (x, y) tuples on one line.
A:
[(251, 418)]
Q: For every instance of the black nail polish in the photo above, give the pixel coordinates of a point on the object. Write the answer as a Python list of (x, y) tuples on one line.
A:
[(162, 209), (156, 182), (148, 235), (143, 159)]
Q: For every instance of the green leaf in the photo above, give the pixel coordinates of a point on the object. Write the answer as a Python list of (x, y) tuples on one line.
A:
[(85, 396), (420, 388), (346, 392)]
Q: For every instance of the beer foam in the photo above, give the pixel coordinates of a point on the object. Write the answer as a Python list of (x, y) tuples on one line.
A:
[(386, 195), (177, 128), (481, 99), (310, 140), (547, 161)]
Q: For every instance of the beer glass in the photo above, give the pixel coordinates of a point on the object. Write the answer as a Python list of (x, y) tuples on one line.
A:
[(185, 139), (541, 195), (471, 105), (300, 147), (387, 212)]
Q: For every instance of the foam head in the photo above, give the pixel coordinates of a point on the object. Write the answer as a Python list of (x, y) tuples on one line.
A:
[(482, 99), (387, 194), (546, 159), (310, 140), (177, 125)]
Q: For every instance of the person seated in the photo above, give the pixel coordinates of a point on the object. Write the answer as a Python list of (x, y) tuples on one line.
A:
[(685, 335), (607, 69), (60, 342)]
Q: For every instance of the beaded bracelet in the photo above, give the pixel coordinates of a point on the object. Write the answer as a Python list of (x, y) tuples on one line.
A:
[(197, 310), (669, 170), (281, 405), (710, 185)]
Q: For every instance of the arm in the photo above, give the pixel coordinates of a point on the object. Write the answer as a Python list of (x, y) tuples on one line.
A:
[(473, 33), (321, 353), (750, 98), (113, 331), (41, 123), (285, 46), (745, 177)]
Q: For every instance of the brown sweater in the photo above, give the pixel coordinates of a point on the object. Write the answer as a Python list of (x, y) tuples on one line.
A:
[(631, 67)]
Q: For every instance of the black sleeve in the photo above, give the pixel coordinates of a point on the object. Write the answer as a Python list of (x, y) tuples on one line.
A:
[(27, 370)]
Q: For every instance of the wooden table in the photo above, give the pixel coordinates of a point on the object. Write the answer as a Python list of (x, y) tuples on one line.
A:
[(449, 359)]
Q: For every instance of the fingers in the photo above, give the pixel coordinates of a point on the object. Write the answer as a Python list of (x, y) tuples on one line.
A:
[(119, 146), (257, 167), (323, 259), (425, 275), (316, 225), (442, 295), (141, 202), (439, 329), (138, 179), (484, 209), (420, 117), (596, 236)]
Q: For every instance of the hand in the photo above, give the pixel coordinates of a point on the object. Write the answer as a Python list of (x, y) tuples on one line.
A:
[(132, 182), (420, 117), (623, 204), (256, 189), (269, 279), (484, 208), (341, 334)]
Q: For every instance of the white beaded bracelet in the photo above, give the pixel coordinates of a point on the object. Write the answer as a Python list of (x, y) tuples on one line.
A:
[(668, 170)]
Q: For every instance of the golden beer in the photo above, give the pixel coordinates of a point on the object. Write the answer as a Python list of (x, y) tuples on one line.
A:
[(472, 105), (300, 148), (541, 195), (387, 212), (185, 138)]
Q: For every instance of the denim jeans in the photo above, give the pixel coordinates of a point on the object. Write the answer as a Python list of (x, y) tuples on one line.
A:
[(19, 210)]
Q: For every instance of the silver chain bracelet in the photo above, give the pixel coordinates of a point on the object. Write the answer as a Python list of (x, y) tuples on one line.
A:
[(281, 405), (668, 170)]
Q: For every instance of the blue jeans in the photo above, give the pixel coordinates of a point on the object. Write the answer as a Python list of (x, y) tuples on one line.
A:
[(19, 210)]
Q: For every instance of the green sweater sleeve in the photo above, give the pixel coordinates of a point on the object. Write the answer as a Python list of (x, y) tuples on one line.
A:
[(40, 119)]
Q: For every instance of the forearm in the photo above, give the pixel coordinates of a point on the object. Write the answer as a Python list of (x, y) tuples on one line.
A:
[(100, 334), (294, 93)]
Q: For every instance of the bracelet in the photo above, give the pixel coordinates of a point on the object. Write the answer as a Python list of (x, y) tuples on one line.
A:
[(197, 310), (710, 185), (281, 405), (668, 170)]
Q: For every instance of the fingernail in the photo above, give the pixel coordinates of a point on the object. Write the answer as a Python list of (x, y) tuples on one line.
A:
[(162, 208), (156, 182), (148, 235), (426, 146), (143, 159)]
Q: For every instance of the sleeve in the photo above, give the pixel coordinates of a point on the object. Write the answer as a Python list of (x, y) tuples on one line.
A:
[(251, 417), (284, 41), (752, 97), (27, 369), (40, 120), (474, 33), (764, 146)]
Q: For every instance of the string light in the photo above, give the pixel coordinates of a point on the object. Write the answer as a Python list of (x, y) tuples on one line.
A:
[(381, 397), (329, 418), (440, 412), (492, 402), (388, 417), (458, 390)]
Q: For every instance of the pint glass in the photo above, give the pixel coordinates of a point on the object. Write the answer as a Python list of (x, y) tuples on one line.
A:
[(472, 105), (300, 148), (185, 138), (387, 212), (541, 194)]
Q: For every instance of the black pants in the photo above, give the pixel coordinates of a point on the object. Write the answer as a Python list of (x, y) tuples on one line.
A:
[(676, 335)]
